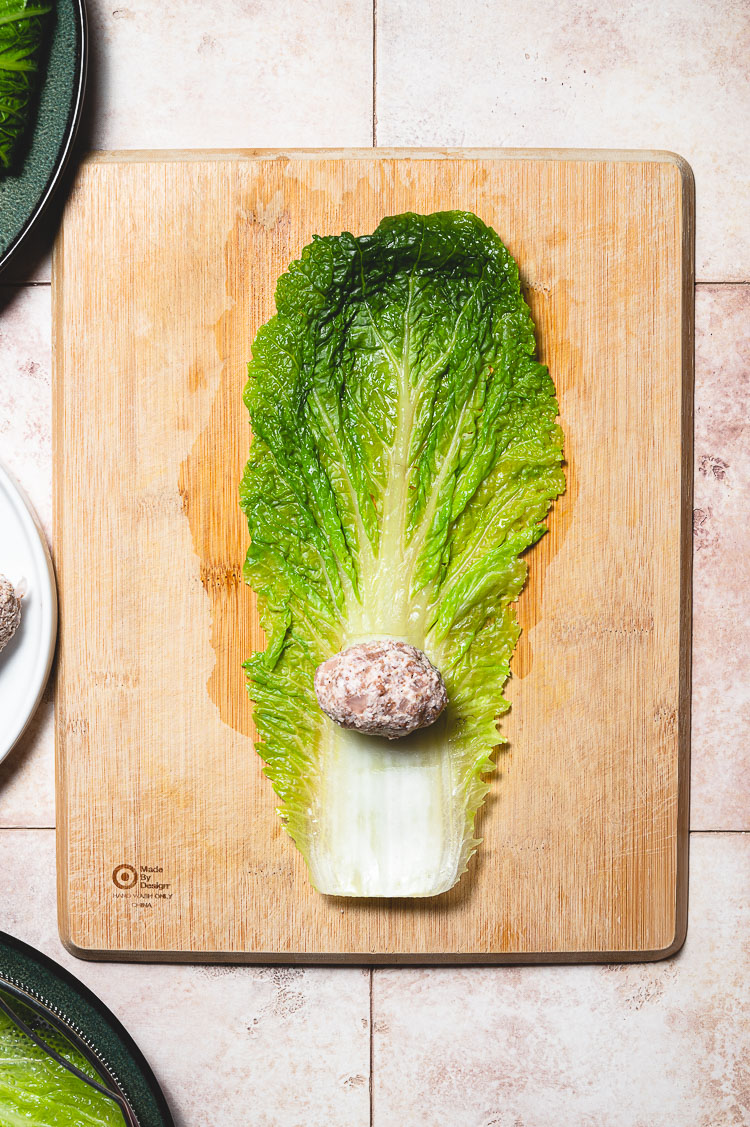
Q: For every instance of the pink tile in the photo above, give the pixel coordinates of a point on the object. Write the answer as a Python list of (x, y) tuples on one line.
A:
[(637, 75), (27, 775), (25, 393), (232, 1046), (233, 73), (651, 1045), (721, 582)]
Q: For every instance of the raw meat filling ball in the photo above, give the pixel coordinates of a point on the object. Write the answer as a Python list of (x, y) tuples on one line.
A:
[(10, 611), (384, 687)]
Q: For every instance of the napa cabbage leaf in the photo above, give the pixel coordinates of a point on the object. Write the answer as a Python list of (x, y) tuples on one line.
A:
[(405, 455)]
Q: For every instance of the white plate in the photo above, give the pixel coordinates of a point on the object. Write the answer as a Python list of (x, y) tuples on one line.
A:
[(25, 662)]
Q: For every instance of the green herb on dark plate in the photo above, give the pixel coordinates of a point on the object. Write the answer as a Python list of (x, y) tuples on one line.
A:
[(23, 28)]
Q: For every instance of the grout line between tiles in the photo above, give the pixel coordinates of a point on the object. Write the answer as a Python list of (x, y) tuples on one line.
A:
[(694, 833), (374, 72), (29, 828)]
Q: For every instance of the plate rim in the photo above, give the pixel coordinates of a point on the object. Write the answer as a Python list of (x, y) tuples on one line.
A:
[(69, 135), (43, 664), (46, 966)]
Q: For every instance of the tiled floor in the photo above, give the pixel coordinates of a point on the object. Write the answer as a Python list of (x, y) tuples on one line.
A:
[(616, 1046), (661, 1045), (575, 74), (232, 1046)]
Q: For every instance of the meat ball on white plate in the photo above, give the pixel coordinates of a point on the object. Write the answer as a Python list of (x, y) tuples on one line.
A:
[(10, 611), (382, 687)]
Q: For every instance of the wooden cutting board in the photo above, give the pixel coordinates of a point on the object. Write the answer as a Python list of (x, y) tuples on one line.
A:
[(168, 842)]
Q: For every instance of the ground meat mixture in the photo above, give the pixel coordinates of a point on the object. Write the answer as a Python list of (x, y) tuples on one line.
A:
[(386, 688), (10, 611)]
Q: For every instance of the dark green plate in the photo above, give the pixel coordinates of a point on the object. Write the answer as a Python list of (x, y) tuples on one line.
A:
[(79, 1007), (25, 193)]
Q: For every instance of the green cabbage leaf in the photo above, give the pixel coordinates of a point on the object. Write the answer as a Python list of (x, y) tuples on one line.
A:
[(405, 455), (37, 1091)]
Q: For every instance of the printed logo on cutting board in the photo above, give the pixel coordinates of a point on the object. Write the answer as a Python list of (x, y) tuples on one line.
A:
[(143, 885), (125, 876)]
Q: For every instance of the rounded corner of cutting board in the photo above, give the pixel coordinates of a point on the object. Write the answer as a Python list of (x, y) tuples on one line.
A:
[(77, 950)]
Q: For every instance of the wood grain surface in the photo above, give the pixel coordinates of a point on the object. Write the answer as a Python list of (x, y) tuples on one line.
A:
[(168, 841)]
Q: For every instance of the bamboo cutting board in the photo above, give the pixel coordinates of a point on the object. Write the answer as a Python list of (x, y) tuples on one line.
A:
[(168, 842)]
